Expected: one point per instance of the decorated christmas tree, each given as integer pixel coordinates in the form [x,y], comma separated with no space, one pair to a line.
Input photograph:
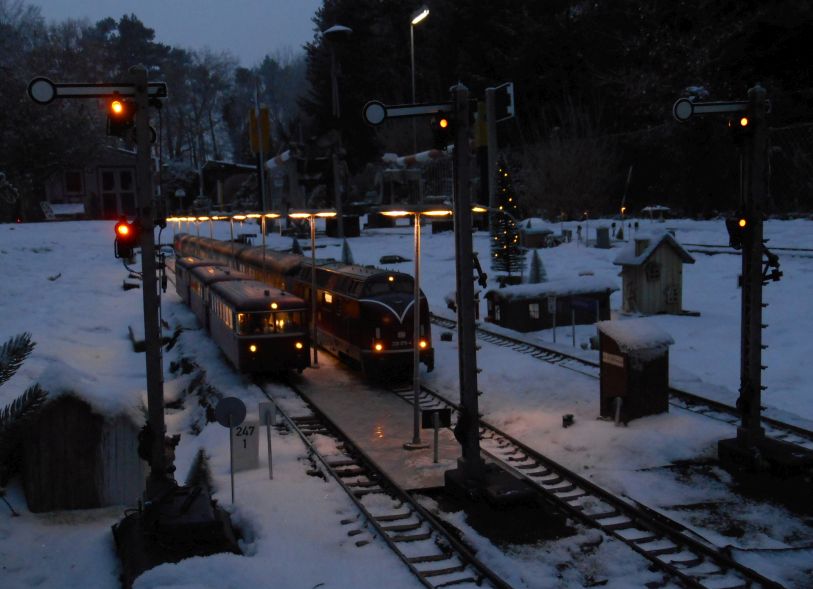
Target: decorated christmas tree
[507,256]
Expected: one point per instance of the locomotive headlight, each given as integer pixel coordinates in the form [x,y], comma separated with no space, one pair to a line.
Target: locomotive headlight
[298,345]
[423,343]
[274,305]
[378,347]
[252,348]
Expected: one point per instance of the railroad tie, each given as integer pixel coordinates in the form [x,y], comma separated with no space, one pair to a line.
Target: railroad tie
[412,538]
[446,555]
[402,527]
[662,551]
[444,571]
[391,517]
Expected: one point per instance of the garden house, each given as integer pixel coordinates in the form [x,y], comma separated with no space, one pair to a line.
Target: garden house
[652,274]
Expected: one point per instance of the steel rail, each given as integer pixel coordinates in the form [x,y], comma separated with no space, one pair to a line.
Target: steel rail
[370,479]
[661,540]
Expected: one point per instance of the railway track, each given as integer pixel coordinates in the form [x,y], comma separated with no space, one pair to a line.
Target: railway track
[774,428]
[671,547]
[435,557]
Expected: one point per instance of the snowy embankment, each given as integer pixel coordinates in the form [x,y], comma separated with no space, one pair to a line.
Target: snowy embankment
[62,284]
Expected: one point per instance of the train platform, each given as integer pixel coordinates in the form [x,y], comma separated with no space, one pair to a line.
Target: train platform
[379,422]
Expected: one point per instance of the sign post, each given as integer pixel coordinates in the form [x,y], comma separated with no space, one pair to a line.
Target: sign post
[267,414]
[230,412]
[435,419]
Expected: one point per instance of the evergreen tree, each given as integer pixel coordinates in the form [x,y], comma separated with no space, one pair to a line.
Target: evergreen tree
[537,273]
[347,255]
[296,248]
[507,255]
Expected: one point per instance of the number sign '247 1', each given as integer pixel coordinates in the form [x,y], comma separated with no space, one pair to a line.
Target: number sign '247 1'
[246,445]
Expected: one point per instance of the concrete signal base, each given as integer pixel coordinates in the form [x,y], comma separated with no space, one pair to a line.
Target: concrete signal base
[497,487]
[182,523]
[770,467]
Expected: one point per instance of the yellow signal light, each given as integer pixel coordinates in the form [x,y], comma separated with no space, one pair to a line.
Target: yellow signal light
[423,343]
[443,123]
[117,107]
[298,345]
[742,222]
[744,121]
[378,347]
[252,348]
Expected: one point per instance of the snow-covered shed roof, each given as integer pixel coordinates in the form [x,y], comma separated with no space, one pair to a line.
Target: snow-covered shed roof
[627,257]
[632,335]
[556,288]
[68,208]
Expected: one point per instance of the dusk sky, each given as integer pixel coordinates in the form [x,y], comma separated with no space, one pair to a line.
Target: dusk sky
[249,29]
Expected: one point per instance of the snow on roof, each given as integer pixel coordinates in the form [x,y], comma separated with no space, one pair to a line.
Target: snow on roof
[556,288]
[637,334]
[654,208]
[627,257]
[68,208]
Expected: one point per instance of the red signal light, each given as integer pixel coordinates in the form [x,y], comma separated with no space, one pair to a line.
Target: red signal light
[123,229]
[127,238]
[117,107]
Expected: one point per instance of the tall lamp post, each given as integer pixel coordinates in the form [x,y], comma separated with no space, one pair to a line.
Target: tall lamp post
[416,211]
[417,16]
[311,216]
[333,35]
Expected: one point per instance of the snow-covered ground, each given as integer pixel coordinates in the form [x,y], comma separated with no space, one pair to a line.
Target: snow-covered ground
[61,283]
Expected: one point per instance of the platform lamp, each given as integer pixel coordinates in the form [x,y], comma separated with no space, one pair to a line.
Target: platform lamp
[311,216]
[417,211]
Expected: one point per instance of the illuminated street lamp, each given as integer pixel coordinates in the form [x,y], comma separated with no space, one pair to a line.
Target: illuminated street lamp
[417,17]
[311,216]
[417,211]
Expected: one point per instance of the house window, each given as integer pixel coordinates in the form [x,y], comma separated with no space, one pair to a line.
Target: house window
[533,310]
[73,181]
[653,271]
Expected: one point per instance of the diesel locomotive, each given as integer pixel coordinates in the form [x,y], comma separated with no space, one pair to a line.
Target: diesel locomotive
[363,313]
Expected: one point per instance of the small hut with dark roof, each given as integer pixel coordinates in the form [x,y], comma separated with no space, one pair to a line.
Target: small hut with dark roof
[531,307]
[652,274]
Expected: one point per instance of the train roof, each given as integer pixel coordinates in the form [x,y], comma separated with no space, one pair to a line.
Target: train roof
[251,295]
[190,262]
[211,274]
[279,262]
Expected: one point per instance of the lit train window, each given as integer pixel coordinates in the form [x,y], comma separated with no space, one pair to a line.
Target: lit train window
[328,297]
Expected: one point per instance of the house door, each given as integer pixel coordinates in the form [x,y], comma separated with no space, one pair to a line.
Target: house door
[118,192]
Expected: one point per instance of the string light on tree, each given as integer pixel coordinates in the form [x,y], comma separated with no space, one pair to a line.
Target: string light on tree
[507,255]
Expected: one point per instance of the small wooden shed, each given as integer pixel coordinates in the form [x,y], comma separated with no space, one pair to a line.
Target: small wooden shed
[634,368]
[531,307]
[75,458]
[652,274]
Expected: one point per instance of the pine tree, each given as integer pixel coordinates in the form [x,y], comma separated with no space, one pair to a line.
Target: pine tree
[506,254]
[14,415]
[347,255]
[537,273]
[296,248]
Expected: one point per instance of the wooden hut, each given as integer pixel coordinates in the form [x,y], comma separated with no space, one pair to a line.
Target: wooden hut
[74,458]
[531,307]
[652,274]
